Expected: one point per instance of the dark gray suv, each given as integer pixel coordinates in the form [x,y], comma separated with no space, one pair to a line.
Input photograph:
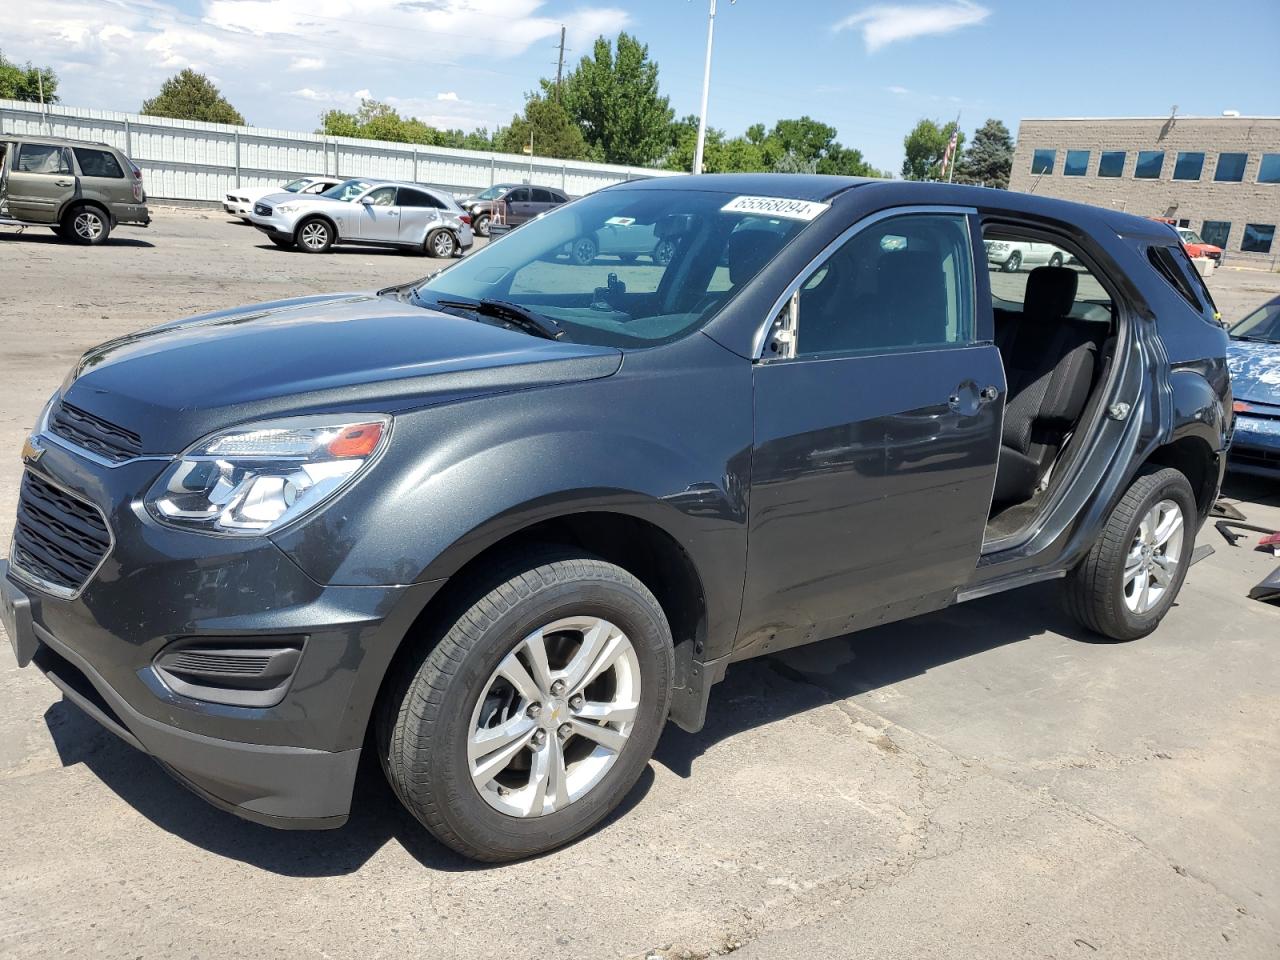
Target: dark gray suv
[503,524]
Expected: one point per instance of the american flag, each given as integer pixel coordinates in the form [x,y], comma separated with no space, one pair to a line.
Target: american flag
[949,156]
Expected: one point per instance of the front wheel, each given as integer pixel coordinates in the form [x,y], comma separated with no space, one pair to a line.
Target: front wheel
[482,225]
[583,251]
[1128,581]
[536,712]
[314,236]
[1055,260]
[663,252]
[1013,263]
[441,243]
[86,225]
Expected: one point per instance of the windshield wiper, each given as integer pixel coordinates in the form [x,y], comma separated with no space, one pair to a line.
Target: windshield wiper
[1245,336]
[513,313]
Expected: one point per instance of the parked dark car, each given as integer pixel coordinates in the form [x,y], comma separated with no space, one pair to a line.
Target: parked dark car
[510,204]
[512,519]
[1254,358]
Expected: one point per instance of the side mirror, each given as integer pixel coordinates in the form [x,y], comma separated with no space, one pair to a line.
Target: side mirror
[366,201]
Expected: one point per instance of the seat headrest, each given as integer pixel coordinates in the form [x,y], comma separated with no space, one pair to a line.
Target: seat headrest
[1050,292]
[748,251]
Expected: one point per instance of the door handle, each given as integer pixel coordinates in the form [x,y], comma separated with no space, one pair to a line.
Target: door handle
[64,183]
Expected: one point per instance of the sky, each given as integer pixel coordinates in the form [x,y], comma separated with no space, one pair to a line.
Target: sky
[871,70]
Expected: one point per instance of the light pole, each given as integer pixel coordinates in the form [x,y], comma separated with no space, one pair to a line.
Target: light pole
[706,87]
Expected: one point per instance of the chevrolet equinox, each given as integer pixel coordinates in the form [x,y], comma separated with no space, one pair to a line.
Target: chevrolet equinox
[501,524]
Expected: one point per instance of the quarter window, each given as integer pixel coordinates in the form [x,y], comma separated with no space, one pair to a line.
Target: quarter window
[98,163]
[1076,164]
[41,158]
[1258,237]
[904,283]
[1188,166]
[1042,161]
[1269,169]
[1111,163]
[1216,232]
[1230,167]
[1150,164]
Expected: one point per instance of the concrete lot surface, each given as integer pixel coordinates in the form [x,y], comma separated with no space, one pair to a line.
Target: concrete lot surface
[988,781]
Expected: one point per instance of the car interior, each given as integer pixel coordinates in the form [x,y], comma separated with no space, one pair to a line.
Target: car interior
[1055,327]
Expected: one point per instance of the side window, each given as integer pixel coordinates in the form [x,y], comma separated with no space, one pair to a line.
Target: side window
[98,163]
[382,197]
[41,158]
[542,196]
[518,195]
[1015,264]
[318,187]
[902,283]
[416,198]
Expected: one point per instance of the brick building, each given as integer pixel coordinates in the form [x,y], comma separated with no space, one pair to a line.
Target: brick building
[1220,176]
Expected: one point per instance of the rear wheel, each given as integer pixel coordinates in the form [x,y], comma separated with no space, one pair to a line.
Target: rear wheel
[86,225]
[440,243]
[1013,263]
[314,236]
[583,251]
[1128,581]
[663,252]
[535,713]
[1055,260]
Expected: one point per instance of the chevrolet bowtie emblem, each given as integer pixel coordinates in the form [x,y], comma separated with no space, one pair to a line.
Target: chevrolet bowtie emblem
[30,451]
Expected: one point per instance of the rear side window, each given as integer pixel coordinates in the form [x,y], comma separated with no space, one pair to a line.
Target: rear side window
[1012,258]
[98,163]
[1172,264]
[904,283]
[542,196]
[41,158]
[416,198]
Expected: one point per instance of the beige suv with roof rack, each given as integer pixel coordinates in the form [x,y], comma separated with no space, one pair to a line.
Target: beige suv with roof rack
[81,190]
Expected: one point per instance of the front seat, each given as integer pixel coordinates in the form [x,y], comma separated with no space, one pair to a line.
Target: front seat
[1050,361]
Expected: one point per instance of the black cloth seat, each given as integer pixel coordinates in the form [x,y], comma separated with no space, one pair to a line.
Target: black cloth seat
[1050,364]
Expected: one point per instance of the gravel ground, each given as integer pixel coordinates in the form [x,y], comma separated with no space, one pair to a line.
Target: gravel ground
[982,781]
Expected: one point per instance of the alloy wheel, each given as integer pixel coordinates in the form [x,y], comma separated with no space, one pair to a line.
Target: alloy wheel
[87,225]
[554,716]
[442,245]
[1152,562]
[315,236]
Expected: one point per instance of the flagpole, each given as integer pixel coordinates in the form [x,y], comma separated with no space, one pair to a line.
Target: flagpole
[951,170]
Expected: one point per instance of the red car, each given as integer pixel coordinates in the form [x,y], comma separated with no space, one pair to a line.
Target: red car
[1192,243]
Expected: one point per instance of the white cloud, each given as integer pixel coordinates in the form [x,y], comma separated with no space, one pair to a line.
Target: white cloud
[884,24]
[307,63]
[897,90]
[447,95]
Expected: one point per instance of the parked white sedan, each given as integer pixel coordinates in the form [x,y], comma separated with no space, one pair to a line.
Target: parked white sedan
[376,213]
[239,202]
[1012,255]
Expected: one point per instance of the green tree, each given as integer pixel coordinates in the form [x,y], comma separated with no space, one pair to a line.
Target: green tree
[925,146]
[554,132]
[613,97]
[23,82]
[989,158]
[189,95]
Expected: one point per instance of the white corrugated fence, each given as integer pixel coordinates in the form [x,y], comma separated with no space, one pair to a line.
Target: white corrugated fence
[188,160]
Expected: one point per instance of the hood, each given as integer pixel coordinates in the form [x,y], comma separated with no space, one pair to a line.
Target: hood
[175,383]
[1255,370]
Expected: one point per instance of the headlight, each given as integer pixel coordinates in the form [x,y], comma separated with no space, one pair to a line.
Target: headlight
[255,479]
[287,207]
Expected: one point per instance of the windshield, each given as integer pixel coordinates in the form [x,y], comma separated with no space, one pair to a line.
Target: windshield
[347,189]
[1190,236]
[1262,324]
[493,192]
[295,185]
[625,267]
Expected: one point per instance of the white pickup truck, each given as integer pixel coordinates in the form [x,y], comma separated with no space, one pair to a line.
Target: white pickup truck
[1012,255]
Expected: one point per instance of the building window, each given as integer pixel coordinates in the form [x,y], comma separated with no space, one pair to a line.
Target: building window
[1076,164]
[1230,167]
[1269,169]
[1042,161]
[1111,163]
[1150,164]
[1258,237]
[1189,166]
[1184,223]
[1216,232]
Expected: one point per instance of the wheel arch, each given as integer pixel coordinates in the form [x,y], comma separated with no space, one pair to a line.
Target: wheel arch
[1193,457]
[74,202]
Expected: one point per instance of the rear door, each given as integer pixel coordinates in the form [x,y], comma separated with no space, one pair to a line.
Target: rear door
[377,216]
[519,204]
[877,435]
[419,212]
[40,181]
[101,177]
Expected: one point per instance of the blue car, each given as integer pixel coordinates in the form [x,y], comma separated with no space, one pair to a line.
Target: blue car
[1254,358]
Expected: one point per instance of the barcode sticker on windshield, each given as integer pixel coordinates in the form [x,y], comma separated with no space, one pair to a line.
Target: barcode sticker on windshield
[620,221]
[775,207]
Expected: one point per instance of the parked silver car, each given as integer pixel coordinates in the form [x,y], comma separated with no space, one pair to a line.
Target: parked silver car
[377,213]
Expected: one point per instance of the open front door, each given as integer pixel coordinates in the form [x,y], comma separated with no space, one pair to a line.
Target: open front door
[876,437]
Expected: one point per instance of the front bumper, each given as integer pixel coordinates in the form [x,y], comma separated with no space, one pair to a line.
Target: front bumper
[1255,446]
[288,765]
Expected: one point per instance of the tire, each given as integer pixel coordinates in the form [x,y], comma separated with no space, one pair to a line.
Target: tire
[663,252]
[481,226]
[282,243]
[1055,260]
[440,243]
[314,235]
[1096,591]
[437,699]
[86,225]
[583,251]
[1013,263]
